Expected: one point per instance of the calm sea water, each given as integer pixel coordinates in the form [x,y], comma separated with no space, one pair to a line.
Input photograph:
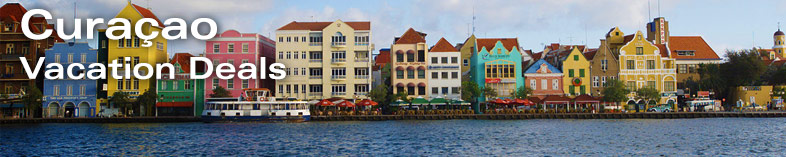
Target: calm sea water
[712,136]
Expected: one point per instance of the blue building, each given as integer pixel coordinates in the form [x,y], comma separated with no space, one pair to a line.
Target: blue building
[496,63]
[67,97]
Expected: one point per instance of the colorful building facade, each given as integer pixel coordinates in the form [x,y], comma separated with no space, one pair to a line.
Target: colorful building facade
[325,60]
[181,96]
[69,97]
[444,66]
[496,64]
[131,51]
[604,67]
[544,79]
[644,64]
[237,48]
[576,78]
[408,70]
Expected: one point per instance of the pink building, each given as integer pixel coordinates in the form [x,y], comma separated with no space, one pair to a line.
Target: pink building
[237,48]
[544,79]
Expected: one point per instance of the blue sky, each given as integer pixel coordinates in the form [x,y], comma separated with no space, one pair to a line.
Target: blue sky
[724,24]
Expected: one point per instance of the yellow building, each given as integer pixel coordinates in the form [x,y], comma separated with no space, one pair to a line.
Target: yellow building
[746,96]
[644,64]
[575,68]
[130,51]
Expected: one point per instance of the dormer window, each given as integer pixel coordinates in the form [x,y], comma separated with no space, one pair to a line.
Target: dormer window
[8,27]
[686,53]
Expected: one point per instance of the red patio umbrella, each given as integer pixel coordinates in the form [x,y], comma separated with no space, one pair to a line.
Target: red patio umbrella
[367,102]
[523,102]
[346,104]
[325,102]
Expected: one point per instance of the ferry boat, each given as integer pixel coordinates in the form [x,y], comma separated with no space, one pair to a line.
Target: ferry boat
[255,106]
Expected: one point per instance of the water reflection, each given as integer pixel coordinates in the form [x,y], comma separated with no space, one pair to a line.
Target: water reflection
[716,136]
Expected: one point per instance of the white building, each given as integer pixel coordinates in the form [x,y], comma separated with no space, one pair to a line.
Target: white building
[444,66]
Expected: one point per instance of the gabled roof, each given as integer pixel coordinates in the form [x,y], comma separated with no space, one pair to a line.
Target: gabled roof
[318,26]
[663,49]
[184,59]
[701,49]
[590,54]
[13,12]
[537,56]
[147,14]
[778,63]
[628,38]
[534,68]
[488,43]
[557,46]
[411,37]
[381,59]
[443,46]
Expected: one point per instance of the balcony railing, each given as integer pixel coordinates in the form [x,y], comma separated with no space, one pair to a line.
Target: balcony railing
[338,93]
[315,77]
[361,93]
[338,44]
[315,94]
[338,77]
[338,60]
[361,43]
[361,76]
[315,44]
[361,59]
[315,60]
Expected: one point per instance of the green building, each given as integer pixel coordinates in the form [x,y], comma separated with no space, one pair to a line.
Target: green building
[181,96]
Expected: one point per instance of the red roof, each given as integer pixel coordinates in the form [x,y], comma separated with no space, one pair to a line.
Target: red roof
[586,98]
[443,46]
[590,54]
[184,59]
[488,43]
[628,38]
[555,99]
[537,56]
[13,12]
[318,26]
[147,14]
[411,37]
[701,49]
[664,51]
[382,59]
[778,63]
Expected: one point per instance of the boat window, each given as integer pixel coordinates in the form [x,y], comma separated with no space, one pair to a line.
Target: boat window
[288,114]
[237,114]
[225,107]
[272,113]
[300,113]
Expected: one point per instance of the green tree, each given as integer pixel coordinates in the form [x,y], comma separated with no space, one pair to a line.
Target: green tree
[220,92]
[743,67]
[777,76]
[121,100]
[489,92]
[615,91]
[647,94]
[470,91]
[32,100]
[148,100]
[401,95]
[522,93]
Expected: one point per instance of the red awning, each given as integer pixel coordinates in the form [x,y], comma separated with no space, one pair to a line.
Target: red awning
[421,84]
[324,102]
[410,84]
[399,84]
[410,68]
[421,68]
[410,52]
[399,52]
[400,68]
[346,104]
[175,104]
[367,102]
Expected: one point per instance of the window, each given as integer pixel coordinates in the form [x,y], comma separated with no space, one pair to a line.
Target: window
[444,60]
[289,39]
[280,39]
[295,87]
[244,84]
[399,57]
[289,87]
[421,90]
[603,81]
[533,84]
[296,39]
[297,55]
[630,64]
[121,43]
[119,84]
[444,90]
[303,39]
[651,84]
[289,55]
[163,85]
[128,84]
[230,48]
[421,56]
[57,58]
[245,48]
[682,68]
[315,88]
[572,89]
[82,90]
[136,84]
[500,71]
[55,90]
[581,72]
[399,74]
[69,91]
[159,45]
[693,68]
[83,58]
[339,89]
[280,55]
[136,41]
[604,65]
[280,88]
[445,75]
[339,72]
[650,64]
[339,56]
[129,42]
[315,39]
[434,75]
[434,60]
[187,84]
[303,55]
[361,40]
[215,83]
[435,90]
[686,53]
[231,84]
[411,74]
[70,58]
[316,55]
[9,69]
[639,51]
[175,85]
[466,62]
[316,72]
[576,57]
[595,81]
[410,57]
[339,39]
[454,75]
[136,60]
[570,73]
[422,74]
[25,48]
[453,60]
[668,86]
[631,85]
[554,84]
[455,90]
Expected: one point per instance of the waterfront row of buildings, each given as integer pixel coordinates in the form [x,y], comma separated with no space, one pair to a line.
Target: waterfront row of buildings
[335,60]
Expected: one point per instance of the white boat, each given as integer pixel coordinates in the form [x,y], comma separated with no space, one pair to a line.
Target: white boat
[256,106]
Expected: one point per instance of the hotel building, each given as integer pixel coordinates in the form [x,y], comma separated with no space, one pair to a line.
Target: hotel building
[324,60]
[409,64]
[70,97]
[444,67]
[237,48]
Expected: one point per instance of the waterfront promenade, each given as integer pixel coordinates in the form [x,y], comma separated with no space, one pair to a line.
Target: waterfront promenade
[669,115]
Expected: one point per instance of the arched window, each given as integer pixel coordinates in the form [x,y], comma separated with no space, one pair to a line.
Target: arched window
[339,39]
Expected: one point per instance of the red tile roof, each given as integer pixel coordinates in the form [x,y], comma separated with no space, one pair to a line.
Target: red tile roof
[557,46]
[778,63]
[488,43]
[411,37]
[382,59]
[537,56]
[701,49]
[590,54]
[628,38]
[147,14]
[184,59]
[443,46]
[318,26]
[664,51]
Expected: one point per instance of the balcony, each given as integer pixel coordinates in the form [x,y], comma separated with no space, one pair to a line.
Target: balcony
[338,93]
[361,59]
[361,76]
[361,93]
[315,94]
[11,57]
[315,60]
[315,44]
[315,77]
[339,44]
[338,60]
[361,44]
[338,77]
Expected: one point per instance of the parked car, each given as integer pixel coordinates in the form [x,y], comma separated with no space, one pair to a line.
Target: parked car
[660,108]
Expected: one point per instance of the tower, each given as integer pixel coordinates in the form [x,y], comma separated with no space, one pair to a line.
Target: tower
[658,31]
[779,46]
